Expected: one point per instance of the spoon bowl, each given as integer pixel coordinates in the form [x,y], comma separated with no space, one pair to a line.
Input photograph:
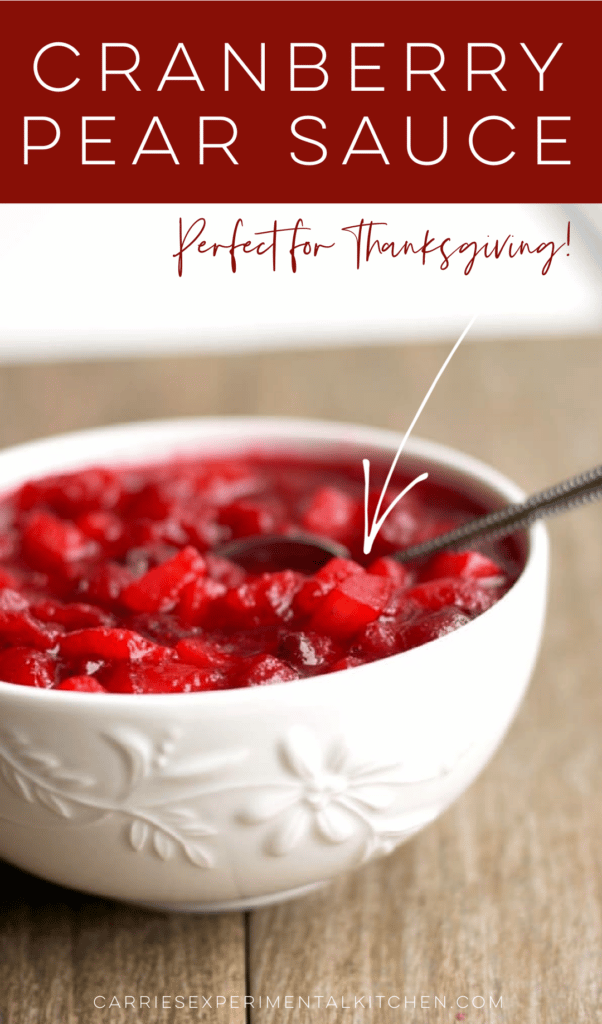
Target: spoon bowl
[308,553]
[271,552]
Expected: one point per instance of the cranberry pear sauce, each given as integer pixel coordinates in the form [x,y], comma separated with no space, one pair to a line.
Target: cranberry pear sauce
[108,582]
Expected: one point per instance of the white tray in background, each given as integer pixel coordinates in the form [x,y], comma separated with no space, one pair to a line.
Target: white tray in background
[95,280]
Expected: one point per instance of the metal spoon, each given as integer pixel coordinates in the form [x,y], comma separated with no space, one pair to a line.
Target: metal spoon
[308,553]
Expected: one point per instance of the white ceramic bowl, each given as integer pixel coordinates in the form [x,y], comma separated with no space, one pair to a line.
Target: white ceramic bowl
[234,799]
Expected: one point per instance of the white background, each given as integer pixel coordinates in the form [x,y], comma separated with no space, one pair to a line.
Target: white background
[102,280]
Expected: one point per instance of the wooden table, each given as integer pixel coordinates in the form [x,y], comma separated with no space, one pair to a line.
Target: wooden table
[499,899]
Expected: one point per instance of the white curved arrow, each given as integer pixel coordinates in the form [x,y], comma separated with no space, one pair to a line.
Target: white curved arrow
[371,532]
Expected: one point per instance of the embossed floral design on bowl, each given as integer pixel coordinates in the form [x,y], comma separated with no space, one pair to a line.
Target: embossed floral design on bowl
[232,799]
[336,790]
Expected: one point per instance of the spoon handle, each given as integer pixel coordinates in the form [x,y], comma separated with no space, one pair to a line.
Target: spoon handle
[569,494]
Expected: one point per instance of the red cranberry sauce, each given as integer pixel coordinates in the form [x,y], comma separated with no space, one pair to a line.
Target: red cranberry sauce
[108,581]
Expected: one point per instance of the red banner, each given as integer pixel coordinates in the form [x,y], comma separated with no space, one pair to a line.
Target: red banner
[304,100]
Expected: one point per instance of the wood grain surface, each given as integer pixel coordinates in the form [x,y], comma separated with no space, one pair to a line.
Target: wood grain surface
[501,899]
